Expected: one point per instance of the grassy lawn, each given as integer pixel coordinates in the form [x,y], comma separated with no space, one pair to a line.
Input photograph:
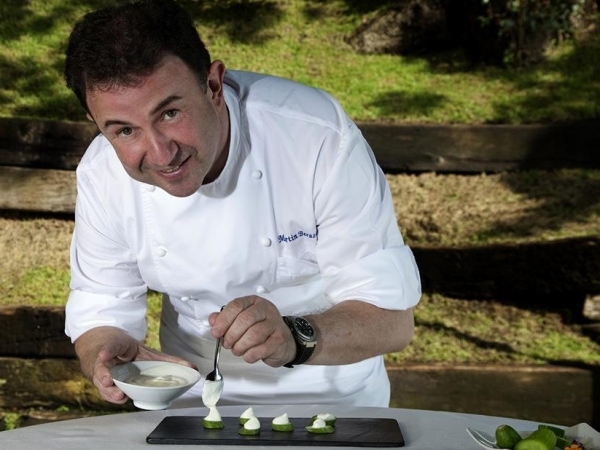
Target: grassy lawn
[304,40]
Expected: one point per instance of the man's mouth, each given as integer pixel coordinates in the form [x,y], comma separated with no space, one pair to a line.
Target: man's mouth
[174,169]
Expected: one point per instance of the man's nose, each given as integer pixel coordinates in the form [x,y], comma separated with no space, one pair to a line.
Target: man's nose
[161,147]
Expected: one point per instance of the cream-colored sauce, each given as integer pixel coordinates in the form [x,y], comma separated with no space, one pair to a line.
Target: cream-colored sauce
[213,415]
[248,413]
[211,393]
[326,416]
[319,423]
[281,420]
[252,424]
[156,380]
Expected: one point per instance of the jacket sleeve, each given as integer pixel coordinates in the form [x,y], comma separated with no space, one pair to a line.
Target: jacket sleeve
[360,249]
[106,286]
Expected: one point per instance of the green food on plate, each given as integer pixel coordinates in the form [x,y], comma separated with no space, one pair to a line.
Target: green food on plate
[507,437]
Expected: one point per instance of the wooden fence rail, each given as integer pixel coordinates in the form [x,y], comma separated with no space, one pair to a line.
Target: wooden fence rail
[398,148]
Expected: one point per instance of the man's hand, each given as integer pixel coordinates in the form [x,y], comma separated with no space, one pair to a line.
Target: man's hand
[102,348]
[252,327]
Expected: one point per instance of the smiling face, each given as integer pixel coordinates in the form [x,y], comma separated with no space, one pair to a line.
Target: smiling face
[166,130]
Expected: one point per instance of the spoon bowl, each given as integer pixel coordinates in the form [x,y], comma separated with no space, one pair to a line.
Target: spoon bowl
[215,375]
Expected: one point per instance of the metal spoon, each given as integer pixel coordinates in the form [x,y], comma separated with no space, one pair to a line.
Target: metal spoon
[213,384]
[215,375]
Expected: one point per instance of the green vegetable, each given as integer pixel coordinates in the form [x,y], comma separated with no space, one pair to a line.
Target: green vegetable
[212,424]
[507,437]
[246,432]
[562,442]
[321,430]
[558,432]
[330,421]
[282,427]
[540,439]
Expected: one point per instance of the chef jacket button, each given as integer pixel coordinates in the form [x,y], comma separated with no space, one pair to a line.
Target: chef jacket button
[261,290]
[265,242]
[150,188]
[257,174]
[161,252]
[185,298]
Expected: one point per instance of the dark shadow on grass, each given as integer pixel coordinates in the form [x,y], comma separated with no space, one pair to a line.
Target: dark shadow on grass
[504,348]
[28,76]
[483,344]
[350,6]
[17,19]
[409,103]
[243,21]
[566,196]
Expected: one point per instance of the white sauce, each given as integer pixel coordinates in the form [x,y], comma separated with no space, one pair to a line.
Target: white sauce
[213,415]
[319,423]
[211,393]
[252,424]
[281,420]
[326,416]
[248,413]
[156,381]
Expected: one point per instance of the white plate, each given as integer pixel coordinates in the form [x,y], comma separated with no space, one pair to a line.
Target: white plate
[581,431]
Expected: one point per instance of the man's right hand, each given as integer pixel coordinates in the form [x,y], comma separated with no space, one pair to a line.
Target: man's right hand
[102,348]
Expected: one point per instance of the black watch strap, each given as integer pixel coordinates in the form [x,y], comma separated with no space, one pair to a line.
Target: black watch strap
[304,335]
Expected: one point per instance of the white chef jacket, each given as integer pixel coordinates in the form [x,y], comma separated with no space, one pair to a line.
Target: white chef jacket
[301,215]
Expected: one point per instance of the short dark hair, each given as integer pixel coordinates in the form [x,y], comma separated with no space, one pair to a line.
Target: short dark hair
[117,45]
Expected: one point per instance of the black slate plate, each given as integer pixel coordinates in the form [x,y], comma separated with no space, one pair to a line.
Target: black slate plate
[188,430]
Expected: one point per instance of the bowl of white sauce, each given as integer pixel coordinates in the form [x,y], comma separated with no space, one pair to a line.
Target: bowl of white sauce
[154,385]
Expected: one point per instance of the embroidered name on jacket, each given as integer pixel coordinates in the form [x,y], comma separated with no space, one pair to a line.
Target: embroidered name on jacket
[299,234]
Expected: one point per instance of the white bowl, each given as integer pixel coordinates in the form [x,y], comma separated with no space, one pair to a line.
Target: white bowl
[154,384]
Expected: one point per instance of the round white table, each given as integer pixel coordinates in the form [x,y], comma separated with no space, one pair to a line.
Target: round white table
[421,429]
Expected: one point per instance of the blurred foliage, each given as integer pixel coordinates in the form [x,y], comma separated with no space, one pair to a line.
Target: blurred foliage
[522,29]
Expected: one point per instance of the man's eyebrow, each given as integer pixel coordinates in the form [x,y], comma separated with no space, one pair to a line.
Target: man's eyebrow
[157,108]
[165,102]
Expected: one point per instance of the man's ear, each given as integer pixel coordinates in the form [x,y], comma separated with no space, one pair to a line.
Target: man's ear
[216,73]
[89,117]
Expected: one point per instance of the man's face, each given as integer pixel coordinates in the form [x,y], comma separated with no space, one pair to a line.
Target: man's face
[167,131]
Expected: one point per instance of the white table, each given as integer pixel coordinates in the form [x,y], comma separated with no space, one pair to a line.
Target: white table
[421,429]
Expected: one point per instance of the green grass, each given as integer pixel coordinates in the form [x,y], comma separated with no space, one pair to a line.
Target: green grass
[44,286]
[473,331]
[304,40]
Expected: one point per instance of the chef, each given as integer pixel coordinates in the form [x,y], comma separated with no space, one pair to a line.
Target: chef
[226,188]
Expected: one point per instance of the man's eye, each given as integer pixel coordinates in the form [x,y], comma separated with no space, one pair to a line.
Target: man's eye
[125,131]
[171,114]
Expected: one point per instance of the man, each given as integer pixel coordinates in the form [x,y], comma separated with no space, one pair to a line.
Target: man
[227,188]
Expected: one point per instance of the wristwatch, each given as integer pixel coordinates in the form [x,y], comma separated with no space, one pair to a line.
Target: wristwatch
[305,337]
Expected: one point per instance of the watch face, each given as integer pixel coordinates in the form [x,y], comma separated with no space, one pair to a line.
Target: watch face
[304,328]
